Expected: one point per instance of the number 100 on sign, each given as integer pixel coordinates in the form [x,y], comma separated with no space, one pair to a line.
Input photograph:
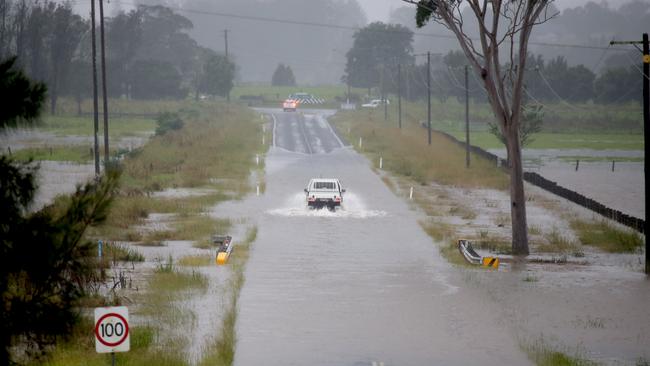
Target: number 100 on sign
[112,329]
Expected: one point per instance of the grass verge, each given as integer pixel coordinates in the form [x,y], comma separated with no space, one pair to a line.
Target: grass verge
[222,351]
[605,236]
[406,153]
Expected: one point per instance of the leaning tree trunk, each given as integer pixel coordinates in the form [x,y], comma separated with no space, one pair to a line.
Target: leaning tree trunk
[517,197]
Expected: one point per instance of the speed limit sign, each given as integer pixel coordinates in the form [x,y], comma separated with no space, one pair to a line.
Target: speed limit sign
[112,329]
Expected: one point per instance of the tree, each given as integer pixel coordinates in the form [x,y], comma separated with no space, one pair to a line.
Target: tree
[123,39]
[67,30]
[283,76]
[39,26]
[218,76]
[618,85]
[506,24]
[532,117]
[168,121]
[45,262]
[78,84]
[377,46]
[22,99]
[153,79]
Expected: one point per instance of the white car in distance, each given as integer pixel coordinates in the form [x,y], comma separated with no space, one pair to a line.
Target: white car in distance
[322,192]
[375,103]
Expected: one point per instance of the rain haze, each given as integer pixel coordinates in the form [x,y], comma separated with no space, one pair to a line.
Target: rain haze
[290,182]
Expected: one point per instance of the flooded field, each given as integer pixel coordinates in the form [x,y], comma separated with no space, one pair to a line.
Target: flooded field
[621,189]
[58,177]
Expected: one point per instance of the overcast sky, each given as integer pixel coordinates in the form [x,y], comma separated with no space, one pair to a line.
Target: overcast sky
[378,10]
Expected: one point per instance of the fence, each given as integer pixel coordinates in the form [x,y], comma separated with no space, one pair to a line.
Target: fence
[575,197]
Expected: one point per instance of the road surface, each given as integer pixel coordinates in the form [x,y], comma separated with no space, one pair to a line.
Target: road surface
[360,286]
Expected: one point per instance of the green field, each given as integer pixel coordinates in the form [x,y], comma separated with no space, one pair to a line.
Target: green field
[616,129]
[545,140]
[83,126]
[76,154]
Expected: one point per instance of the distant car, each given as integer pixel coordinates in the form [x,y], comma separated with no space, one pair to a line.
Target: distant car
[375,103]
[324,193]
[289,105]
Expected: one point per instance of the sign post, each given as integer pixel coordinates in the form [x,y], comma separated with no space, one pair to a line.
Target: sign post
[112,330]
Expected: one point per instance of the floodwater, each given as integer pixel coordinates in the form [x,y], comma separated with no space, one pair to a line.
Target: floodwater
[359,285]
[621,189]
[56,177]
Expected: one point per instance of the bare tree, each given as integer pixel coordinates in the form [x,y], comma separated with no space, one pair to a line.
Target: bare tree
[502,25]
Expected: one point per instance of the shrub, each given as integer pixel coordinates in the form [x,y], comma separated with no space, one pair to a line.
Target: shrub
[168,122]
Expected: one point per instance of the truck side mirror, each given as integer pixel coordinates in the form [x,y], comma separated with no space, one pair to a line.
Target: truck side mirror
[306,191]
[343,190]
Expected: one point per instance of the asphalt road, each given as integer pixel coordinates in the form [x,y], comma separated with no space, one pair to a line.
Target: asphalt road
[360,286]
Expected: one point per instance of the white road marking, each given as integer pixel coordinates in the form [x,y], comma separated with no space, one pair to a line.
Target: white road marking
[275,122]
[332,131]
[304,135]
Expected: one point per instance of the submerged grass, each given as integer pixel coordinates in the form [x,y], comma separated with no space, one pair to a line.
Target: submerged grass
[214,150]
[222,351]
[542,354]
[606,236]
[117,252]
[555,242]
[444,235]
[196,260]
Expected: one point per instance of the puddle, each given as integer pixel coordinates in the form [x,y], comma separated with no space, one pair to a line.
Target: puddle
[183,192]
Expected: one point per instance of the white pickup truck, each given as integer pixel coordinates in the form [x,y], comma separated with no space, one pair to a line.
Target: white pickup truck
[322,192]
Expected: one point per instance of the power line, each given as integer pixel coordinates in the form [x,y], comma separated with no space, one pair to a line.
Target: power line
[347,27]
[558,95]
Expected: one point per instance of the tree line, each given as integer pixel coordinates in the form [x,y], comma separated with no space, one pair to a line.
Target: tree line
[149,53]
[378,48]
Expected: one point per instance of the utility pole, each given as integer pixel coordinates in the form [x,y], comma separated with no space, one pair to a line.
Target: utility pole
[466,120]
[408,88]
[104,94]
[399,95]
[429,95]
[383,93]
[95,106]
[348,99]
[225,37]
[646,127]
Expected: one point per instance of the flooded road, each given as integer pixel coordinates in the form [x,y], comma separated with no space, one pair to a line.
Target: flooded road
[357,286]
